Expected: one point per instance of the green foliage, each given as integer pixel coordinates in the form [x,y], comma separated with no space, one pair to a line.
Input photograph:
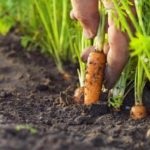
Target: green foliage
[45,24]
[139,46]
[5,25]
[6,22]
[18,10]
[20,14]
[58,31]
[78,43]
[119,92]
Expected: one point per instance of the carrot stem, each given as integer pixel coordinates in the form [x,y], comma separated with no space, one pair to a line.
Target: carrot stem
[100,37]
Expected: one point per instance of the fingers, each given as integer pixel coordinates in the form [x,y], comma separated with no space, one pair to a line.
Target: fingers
[118,53]
[86,12]
[86,52]
[117,56]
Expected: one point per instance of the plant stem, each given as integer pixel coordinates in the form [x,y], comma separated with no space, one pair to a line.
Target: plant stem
[138,6]
[122,19]
[100,37]
[131,15]
[139,82]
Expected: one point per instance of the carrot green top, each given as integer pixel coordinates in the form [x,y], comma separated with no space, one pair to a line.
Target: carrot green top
[108,4]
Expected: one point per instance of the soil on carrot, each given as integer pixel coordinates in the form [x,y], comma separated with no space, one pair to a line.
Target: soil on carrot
[37,110]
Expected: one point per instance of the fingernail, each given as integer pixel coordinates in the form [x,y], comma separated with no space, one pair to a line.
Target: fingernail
[86,52]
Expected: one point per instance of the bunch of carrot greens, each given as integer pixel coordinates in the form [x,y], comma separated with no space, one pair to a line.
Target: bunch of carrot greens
[139,47]
[56,31]
[61,37]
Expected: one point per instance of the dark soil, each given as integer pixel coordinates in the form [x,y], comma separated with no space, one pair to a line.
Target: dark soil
[37,111]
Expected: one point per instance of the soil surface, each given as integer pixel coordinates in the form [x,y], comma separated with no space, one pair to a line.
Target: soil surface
[37,111]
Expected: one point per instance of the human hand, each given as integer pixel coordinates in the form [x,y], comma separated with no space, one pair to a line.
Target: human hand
[86,12]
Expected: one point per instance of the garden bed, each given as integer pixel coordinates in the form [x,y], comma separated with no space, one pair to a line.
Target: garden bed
[37,111]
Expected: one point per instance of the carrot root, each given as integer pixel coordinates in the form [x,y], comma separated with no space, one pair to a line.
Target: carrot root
[138,112]
[94,77]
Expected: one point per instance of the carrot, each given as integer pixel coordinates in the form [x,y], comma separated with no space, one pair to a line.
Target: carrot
[94,77]
[79,95]
[138,111]
[96,64]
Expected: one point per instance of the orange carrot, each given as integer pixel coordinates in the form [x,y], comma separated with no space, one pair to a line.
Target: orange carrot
[94,77]
[138,111]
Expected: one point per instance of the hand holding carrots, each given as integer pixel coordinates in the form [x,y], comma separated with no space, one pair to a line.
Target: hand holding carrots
[86,12]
